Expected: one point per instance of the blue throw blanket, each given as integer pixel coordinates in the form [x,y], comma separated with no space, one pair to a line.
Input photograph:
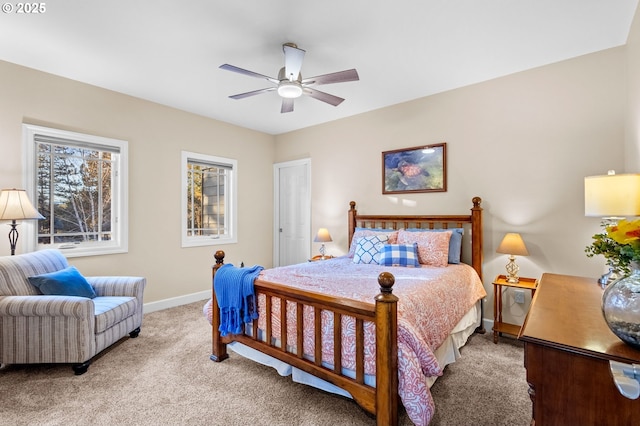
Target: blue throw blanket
[235,296]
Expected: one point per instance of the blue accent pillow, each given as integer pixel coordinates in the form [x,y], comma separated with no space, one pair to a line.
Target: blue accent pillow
[455,242]
[66,282]
[399,255]
[368,249]
[392,234]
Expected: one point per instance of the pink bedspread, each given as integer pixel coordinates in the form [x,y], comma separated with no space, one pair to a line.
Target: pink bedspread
[432,301]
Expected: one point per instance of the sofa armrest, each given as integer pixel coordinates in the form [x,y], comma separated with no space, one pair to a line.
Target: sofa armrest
[46,329]
[47,306]
[119,286]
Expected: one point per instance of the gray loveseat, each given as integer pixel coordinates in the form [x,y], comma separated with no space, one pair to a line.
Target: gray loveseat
[39,329]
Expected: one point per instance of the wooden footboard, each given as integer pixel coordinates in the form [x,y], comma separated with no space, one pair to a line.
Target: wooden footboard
[381,401]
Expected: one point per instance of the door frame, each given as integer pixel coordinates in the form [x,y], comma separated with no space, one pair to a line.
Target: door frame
[276,203]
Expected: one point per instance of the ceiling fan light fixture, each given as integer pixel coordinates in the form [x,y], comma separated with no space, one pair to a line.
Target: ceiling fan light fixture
[289,89]
[290,85]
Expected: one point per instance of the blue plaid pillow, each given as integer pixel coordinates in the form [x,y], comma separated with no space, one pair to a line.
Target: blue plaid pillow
[368,249]
[399,255]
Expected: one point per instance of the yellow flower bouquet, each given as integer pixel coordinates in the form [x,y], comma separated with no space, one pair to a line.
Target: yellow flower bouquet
[619,244]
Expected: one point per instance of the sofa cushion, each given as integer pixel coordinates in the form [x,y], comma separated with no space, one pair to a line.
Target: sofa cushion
[110,310]
[15,270]
[66,282]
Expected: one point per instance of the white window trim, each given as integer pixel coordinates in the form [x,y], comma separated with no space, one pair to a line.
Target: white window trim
[119,204]
[199,241]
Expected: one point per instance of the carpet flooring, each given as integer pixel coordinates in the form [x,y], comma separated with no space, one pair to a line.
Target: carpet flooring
[165,377]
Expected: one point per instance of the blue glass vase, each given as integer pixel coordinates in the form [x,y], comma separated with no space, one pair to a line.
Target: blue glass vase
[621,308]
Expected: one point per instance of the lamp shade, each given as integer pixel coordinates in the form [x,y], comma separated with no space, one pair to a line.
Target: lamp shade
[15,205]
[612,195]
[512,244]
[322,236]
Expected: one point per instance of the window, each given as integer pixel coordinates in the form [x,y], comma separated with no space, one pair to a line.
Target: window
[79,183]
[208,200]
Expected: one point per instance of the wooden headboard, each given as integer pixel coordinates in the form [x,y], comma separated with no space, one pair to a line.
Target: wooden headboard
[473,220]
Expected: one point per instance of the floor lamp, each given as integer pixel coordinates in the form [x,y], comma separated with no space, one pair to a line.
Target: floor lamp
[15,205]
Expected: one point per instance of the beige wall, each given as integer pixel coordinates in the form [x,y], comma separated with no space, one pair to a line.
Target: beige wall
[523,143]
[632,146]
[156,135]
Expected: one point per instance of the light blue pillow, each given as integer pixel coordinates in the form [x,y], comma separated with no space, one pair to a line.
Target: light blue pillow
[455,242]
[399,255]
[66,282]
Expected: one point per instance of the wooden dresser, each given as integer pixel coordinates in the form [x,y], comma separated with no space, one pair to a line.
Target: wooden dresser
[567,348]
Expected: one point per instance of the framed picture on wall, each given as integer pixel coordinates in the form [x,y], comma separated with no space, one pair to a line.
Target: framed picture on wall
[417,169]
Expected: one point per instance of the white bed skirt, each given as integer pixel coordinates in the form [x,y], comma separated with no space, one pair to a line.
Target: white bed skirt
[447,353]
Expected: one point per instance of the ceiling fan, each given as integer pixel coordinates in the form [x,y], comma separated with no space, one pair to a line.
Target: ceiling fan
[291,85]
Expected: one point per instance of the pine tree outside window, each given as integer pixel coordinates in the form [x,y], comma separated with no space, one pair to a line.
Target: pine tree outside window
[79,185]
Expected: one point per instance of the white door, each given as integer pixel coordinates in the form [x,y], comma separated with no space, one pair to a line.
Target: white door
[292,239]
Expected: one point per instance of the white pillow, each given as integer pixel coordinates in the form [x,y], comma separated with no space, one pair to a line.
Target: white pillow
[367,232]
[368,249]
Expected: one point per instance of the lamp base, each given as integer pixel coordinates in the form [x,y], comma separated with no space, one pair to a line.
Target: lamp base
[322,252]
[513,279]
[13,237]
[512,270]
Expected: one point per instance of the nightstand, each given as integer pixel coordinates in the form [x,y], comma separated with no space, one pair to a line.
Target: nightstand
[500,327]
[319,257]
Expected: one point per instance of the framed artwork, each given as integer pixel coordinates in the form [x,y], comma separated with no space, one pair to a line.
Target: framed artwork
[417,169]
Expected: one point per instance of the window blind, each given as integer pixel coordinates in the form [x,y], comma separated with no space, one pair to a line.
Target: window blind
[52,140]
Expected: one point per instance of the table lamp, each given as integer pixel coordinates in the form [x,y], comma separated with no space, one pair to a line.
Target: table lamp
[512,245]
[612,197]
[15,205]
[322,237]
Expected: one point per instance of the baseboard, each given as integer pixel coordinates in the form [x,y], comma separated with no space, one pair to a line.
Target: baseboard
[176,301]
[488,324]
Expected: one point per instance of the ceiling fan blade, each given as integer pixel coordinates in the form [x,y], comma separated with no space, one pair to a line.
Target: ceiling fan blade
[322,96]
[252,93]
[287,105]
[292,61]
[334,77]
[247,72]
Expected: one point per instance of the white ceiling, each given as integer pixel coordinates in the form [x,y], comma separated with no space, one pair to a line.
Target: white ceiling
[169,51]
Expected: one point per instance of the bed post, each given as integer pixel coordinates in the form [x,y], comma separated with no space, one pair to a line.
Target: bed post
[219,349]
[477,250]
[386,352]
[476,235]
[352,220]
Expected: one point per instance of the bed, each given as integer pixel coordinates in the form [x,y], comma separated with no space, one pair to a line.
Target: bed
[371,332]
